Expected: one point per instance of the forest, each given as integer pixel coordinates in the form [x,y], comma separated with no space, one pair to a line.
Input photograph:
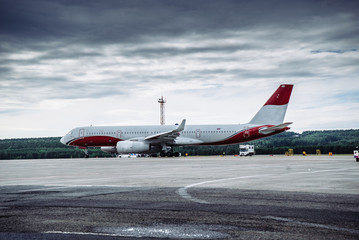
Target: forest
[335,141]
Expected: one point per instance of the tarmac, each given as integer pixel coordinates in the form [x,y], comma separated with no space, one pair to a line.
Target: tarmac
[214,197]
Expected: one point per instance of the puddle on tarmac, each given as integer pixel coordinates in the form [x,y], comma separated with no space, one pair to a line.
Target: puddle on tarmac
[169,231]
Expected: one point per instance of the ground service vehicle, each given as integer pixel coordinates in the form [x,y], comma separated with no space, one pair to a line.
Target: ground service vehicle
[246,150]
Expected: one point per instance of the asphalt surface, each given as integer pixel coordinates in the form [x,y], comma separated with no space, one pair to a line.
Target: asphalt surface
[260,197]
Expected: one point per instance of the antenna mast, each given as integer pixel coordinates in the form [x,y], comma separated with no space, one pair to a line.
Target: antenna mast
[162,102]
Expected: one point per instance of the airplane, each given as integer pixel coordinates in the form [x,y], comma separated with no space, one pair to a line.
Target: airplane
[162,138]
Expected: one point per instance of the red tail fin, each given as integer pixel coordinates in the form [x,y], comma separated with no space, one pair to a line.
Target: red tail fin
[281,96]
[273,111]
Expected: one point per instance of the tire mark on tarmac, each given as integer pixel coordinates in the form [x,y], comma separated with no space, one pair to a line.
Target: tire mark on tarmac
[183,192]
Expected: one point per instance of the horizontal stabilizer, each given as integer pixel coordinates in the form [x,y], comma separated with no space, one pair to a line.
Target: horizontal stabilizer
[270,130]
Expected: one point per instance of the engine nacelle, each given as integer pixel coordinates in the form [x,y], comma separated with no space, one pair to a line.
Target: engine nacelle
[132,147]
[109,149]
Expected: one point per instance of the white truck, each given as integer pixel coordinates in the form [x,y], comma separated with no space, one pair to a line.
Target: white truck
[246,150]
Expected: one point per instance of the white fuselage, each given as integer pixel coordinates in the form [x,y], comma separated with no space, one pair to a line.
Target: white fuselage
[191,135]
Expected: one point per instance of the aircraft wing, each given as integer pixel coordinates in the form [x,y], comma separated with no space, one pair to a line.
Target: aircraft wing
[270,130]
[167,136]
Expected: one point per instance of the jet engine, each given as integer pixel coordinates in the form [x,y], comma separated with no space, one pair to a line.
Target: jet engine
[109,149]
[132,147]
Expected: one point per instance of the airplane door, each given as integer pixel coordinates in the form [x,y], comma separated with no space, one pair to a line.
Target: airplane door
[82,132]
[119,133]
[198,133]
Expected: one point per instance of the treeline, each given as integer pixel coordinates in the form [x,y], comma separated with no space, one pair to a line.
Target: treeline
[335,141]
[34,148]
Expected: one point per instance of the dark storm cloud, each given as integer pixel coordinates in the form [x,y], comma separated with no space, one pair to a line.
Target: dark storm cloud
[74,30]
[175,51]
[4,70]
[64,89]
[101,22]
[247,74]
[22,62]
[340,51]
[42,25]
[70,54]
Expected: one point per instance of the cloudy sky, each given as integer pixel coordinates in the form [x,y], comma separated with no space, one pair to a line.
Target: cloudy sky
[72,63]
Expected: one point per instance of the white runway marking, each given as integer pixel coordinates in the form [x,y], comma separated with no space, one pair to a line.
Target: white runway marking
[184,193]
[317,225]
[167,231]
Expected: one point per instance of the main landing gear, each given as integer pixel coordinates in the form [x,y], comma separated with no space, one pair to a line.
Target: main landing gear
[169,154]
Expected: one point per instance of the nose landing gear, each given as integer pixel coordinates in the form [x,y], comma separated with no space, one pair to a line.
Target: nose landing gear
[86,152]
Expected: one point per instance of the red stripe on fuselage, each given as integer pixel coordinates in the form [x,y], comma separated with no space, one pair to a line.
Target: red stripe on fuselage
[246,136]
[243,136]
[95,141]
